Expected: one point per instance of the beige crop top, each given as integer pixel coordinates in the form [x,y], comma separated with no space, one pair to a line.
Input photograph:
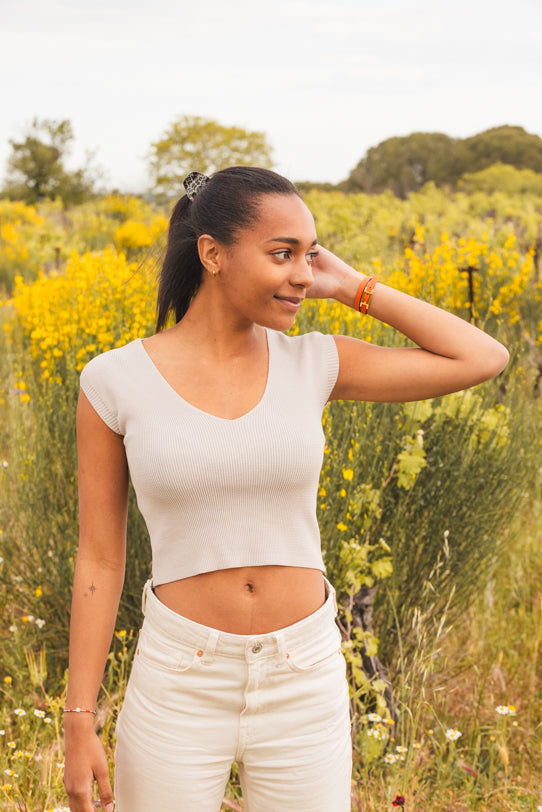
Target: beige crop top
[218,493]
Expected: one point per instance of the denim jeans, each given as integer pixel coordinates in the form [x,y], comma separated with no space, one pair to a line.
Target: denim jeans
[199,699]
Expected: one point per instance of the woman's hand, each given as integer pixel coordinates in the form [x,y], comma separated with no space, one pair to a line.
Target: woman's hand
[333,278]
[85,763]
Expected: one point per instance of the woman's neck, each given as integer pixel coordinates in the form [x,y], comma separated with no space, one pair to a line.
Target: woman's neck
[213,330]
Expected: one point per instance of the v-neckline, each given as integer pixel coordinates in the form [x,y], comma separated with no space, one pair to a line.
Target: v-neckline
[187,403]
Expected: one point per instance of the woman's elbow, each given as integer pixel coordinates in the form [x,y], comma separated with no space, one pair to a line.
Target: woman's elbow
[493,360]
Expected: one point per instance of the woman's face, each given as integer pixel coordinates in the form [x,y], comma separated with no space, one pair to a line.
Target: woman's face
[265,275]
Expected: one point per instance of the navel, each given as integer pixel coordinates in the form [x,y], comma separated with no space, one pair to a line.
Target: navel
[249,588]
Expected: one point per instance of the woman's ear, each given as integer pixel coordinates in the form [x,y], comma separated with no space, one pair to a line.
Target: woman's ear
[209,253]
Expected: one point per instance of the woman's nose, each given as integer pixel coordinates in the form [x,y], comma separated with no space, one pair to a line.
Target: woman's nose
[302,273]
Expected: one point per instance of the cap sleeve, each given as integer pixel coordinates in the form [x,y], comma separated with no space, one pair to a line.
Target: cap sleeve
[98,383]
[332,355]
[325,363]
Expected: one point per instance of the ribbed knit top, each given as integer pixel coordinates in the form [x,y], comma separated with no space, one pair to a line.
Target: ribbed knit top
[218,493]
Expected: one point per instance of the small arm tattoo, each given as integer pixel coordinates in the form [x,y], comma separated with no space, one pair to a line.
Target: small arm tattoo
[91,589]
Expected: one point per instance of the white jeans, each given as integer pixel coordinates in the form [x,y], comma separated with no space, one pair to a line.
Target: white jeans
[199,699]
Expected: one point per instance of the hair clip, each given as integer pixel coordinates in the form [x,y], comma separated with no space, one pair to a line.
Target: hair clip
[193,183]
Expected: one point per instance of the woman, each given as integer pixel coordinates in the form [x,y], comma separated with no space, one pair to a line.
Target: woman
[218,421]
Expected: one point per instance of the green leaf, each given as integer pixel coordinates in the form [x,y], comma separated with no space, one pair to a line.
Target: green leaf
[409,464]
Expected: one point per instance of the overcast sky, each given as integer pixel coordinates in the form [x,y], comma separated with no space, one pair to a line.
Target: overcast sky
[324,79]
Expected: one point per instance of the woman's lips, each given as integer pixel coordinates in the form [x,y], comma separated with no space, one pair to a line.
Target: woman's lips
[290,303]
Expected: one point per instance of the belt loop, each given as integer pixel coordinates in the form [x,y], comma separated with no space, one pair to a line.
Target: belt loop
[148,585]
[281,646]
[331,592]
[210,646]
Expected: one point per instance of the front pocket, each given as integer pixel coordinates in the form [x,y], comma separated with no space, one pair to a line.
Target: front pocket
[165,655]
[297,664]
[318,656]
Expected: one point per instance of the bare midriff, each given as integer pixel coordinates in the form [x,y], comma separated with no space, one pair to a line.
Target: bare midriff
[246,600]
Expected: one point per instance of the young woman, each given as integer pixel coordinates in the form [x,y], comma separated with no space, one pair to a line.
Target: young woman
[217,420]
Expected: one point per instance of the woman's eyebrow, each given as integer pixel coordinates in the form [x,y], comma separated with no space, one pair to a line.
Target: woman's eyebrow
[291,240]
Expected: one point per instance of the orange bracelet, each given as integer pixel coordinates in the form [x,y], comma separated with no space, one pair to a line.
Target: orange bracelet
[367,293]
[79,710]
[359,292]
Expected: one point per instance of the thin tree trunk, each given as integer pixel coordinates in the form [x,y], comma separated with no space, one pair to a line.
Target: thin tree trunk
[362,616]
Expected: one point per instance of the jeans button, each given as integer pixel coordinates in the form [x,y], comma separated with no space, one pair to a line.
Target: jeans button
[256,648]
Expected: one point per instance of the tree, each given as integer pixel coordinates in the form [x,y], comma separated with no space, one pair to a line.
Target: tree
[404,164]
[195,143]
[507,145]
[35,168]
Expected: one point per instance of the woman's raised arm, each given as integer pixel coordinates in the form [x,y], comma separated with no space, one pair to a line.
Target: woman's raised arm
[451,354]
[99,576]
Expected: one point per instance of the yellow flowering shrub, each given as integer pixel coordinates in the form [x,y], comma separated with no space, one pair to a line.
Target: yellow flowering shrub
[134,235]
[100,301]
[17,213]
[25,241]
[127,222]
[500,276]
[124,207]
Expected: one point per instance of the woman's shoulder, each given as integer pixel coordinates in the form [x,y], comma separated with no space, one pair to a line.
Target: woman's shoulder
[312,360]
[112,368]
[115,357]
[312,342]
[108,381]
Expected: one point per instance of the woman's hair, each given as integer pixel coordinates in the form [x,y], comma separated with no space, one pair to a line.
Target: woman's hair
[223,206]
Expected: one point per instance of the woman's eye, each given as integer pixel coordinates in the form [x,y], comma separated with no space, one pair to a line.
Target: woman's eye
[312,256]
[282,254]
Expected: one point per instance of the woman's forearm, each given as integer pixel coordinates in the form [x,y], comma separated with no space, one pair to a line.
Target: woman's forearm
[99,570]
[433,329]
[436,330]
[450,355]
[96,594]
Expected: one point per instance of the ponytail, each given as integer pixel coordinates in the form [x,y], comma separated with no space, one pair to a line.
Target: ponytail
[180,277]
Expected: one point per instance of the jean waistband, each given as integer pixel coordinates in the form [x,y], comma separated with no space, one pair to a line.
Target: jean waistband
[317,626]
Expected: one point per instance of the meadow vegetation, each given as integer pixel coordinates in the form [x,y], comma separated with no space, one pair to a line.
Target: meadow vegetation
[430,512]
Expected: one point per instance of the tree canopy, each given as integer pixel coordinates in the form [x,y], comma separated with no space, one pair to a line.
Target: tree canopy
[35,168]
[404,164]
[195,143]
[506,145]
